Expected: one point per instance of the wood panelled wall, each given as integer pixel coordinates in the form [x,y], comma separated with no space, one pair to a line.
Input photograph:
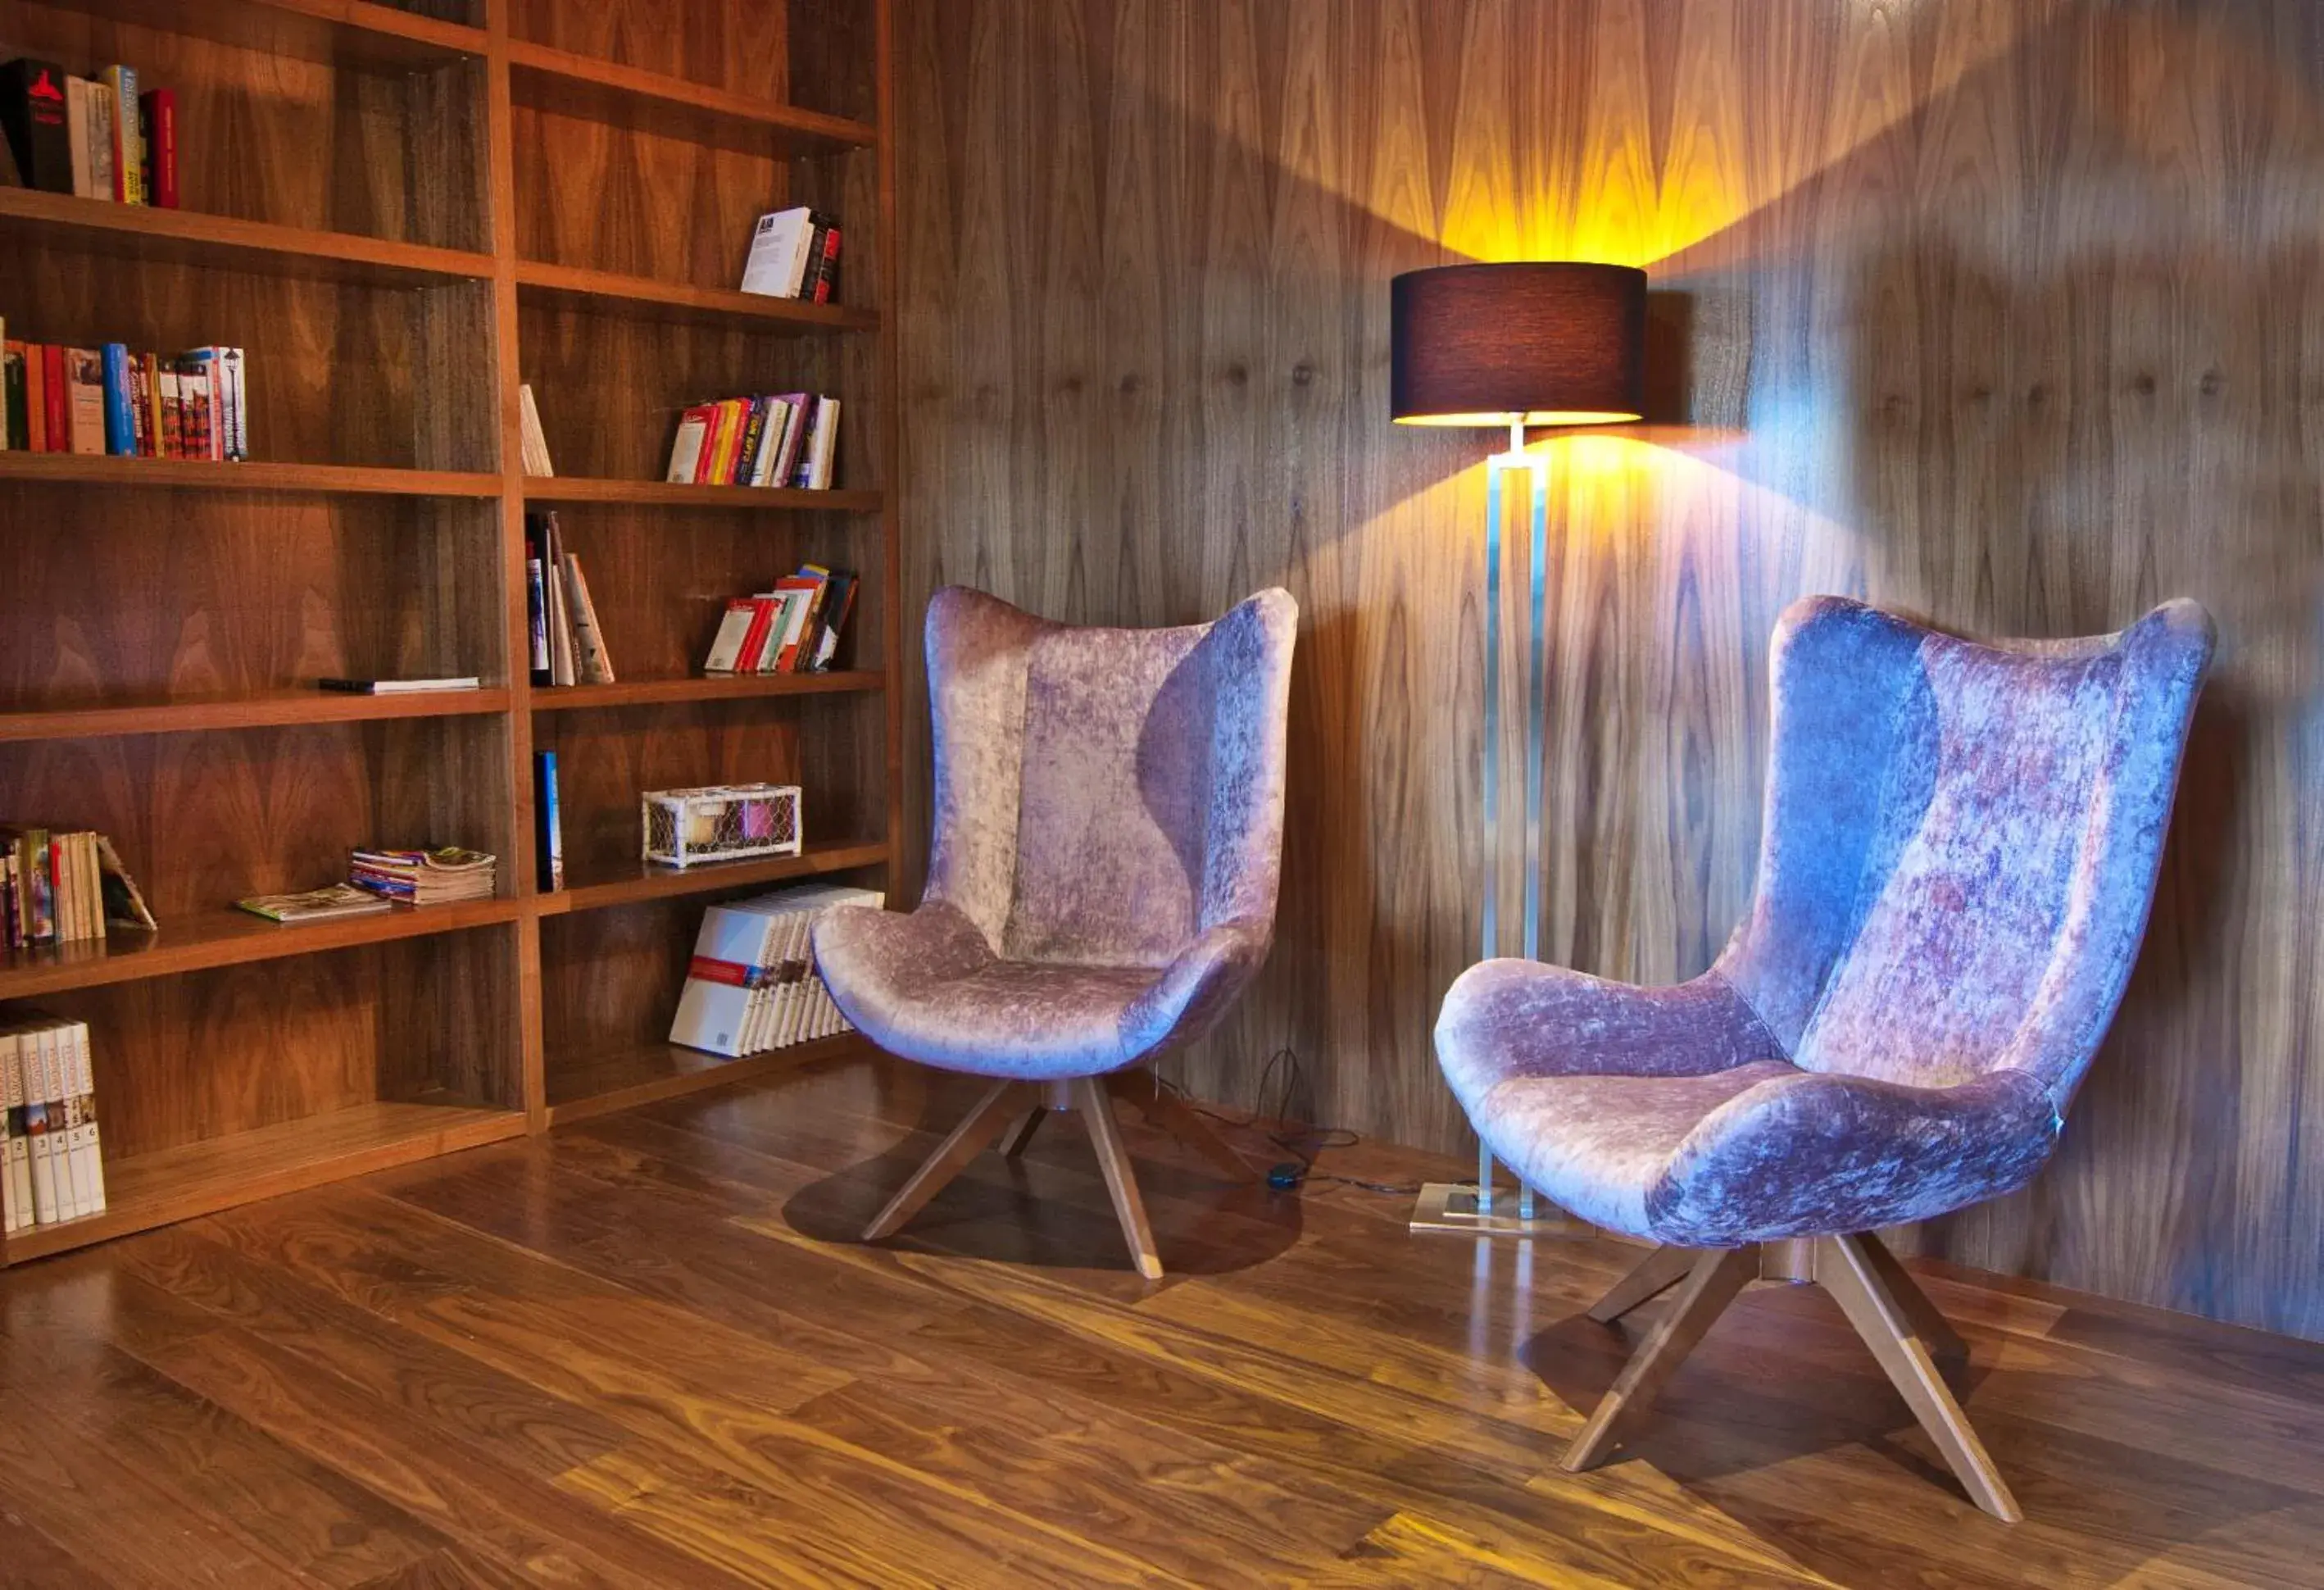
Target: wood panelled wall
[2007,312]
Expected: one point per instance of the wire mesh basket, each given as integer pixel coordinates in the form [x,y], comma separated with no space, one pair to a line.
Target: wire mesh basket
[719,822]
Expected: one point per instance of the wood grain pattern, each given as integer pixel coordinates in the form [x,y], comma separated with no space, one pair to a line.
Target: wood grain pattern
[374,209]
[2004,314]
[649,1351]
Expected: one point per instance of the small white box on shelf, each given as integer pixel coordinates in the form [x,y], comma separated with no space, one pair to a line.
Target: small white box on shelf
[720,822]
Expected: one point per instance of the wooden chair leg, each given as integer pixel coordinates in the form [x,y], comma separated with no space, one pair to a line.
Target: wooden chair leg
[1655,1274]
[1936,1332]
[1095,1103]
[1173,1115]
[1019,1140]
[971,1138]
[1713,1283]
[1854,1277]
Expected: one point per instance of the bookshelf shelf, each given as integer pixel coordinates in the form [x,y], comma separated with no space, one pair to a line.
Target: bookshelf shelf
[266,710]
[606,291]
[179,474]
[638,881]
[648,1073]
[350,32]
[642,692]
[658,493]
[188,237]
[563,204]
[565,84]
[215,1173]
[223,938]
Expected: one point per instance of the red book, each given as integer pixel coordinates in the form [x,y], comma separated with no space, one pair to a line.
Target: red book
[827,272]
[36,396]
[57,393]
[754,642]
[158,120]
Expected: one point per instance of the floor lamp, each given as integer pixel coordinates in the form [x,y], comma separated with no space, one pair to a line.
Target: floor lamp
[1538,343]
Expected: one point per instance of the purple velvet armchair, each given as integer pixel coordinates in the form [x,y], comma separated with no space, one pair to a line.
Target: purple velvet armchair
[1108,833]
[1959,850]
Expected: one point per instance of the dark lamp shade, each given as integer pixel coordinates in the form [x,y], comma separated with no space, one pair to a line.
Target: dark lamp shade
[1549,343]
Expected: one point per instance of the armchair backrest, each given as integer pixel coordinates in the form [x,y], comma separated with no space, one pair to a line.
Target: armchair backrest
[1961,840]
[1103,795]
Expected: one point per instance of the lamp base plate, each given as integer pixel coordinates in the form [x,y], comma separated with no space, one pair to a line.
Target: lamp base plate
[1452,1205]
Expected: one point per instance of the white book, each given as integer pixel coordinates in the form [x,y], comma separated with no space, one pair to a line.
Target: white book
[796,604]
[591,663]
[825,445]
[685,450]
[533,444]
[77,137]
[33,1079]
[87,1145]
[101,138]
[726,646]
[796,924]
[64,1117]
[770,445]
[237,407]
[773,934]
[16,1194]
[777,259]
[711,1008]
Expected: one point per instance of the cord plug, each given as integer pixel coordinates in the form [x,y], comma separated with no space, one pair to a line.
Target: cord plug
[1287,1175]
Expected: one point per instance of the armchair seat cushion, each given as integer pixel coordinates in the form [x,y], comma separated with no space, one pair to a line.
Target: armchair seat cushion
[927,987]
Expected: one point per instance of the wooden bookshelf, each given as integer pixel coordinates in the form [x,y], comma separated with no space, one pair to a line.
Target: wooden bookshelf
[555,191]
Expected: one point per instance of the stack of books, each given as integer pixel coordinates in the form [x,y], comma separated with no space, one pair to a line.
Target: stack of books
[753,985]
[794,253]
[435,876]
[132,405]
[98,138]
[568,646]
[58,887]
[54,1160]
[795,628]
[789,439]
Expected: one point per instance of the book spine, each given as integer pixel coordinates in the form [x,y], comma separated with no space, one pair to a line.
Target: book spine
[141,409]
[12,409]
[128,148]
[173,414]
[827,270]
[101,112]
[81,1106]
[754,440]
[158,130]
[32,112]
[550,820]
[39,1150]
[120,427]
[15,1201]
[237,440]
[594,665]
[536,598]
[54,394]
[77,136]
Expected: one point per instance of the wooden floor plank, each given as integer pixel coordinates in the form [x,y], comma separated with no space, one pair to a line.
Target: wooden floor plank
[646,1350]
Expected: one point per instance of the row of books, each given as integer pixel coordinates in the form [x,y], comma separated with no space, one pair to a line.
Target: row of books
[58,888]
[98,138]
[794,253]
[55,1159]
[131,405]
[568,644]
[783,440]
[795,628]
[753,985]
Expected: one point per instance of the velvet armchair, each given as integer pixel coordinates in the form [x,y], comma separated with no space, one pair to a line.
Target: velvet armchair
[1957,855]
[1108,835]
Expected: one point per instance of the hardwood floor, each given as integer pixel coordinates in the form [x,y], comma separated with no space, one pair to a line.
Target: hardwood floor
[646,1350]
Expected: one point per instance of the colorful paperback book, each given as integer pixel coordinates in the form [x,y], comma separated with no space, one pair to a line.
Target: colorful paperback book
[120,426]
[128,145]
[549,842]
[315,905]
[16,1153]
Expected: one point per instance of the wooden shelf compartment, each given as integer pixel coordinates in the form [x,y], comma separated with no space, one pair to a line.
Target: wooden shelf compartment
[661,494]
[225,937]
[639,881]
[652,692]
[190,238]
[612,292]
[179,474]
[646,1073]
[562,83]
[267,709]
[347,32]
[193,1178]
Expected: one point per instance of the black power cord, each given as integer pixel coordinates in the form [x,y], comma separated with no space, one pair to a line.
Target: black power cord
[1301,1146]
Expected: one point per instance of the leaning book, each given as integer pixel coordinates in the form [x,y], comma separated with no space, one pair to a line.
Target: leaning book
[315,905]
